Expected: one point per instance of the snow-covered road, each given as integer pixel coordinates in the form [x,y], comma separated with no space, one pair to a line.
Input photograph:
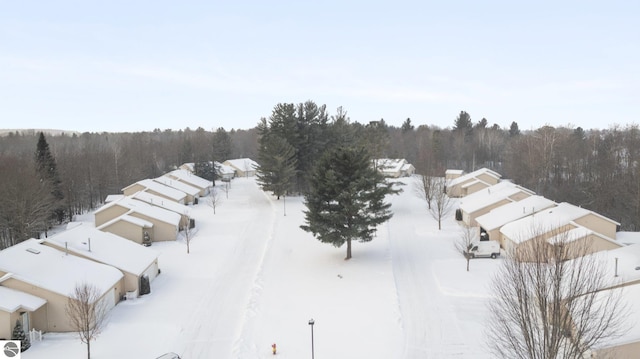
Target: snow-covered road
[254,278]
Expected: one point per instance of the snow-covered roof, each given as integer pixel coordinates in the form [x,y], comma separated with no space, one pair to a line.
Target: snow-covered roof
[628,238]
[54,270]
[190,178]
[454,172]
[128,218]
[113,197]
[473,175]
[575,234]
[630,299]
[474,182]
[190,166]
[146,209]
[510,212]
[390,164]
[180,186]
[162,202]
[243,164]
[105,247]
[223,169]
[547,220]
[160,188]
[491,195]
[628,268]
[12,300]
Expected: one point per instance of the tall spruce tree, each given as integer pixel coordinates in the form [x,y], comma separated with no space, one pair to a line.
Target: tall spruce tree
[346,200]
[47,171]
[277,169]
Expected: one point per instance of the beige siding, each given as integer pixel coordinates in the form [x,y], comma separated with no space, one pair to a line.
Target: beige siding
[56,317]
[598,224]
[6,322]
[594,244]
[128,230]
[485,177]
[470,218]
[134,188]
[519,196]
[107,214]
[456,191]
[623,351]
[162,231]
[478,186]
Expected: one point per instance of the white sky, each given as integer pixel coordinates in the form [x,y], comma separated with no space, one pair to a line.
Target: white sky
[140,65]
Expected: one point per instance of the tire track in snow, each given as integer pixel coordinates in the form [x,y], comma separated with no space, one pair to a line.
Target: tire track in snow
[215,325]
[428,319]
[241,348]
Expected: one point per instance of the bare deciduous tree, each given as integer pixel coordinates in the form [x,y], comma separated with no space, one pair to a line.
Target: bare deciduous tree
[189,232]
[87,313]
[547,301]
[425,188]
[441,203]
[214,199]
[464,243]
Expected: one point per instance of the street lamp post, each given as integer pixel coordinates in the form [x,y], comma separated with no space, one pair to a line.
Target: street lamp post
[311,323]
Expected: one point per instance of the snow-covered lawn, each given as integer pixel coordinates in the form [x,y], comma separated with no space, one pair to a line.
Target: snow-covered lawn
[254,278]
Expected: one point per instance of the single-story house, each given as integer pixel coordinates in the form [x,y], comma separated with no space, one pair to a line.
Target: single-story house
[192,192]
[152,199]
[191,179]
[166,224]
[574,224]
[626,346]
[53,275]
[16,305]
[243,167]
[394,168]
[225,173]
[490,223]
[134,261]
[452,174]
[486,199]
[129,227]
[190,167]
[156,188]
[621,272]
[469,183]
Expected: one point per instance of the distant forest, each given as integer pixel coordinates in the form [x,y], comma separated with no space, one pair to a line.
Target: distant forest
[595,169]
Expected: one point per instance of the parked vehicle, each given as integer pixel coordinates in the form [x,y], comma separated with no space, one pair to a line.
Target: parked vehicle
[485,249]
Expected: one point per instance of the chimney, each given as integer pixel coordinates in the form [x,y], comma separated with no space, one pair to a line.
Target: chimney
[89,244]
[616,273]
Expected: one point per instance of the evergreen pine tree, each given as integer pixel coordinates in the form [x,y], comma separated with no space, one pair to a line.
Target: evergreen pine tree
[47,171]
[277,164]
[346,200]
[19,334]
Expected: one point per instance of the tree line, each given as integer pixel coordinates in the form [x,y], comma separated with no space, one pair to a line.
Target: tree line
[48,179]
[594,168]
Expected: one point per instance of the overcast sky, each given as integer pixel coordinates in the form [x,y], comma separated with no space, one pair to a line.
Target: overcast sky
[139,65]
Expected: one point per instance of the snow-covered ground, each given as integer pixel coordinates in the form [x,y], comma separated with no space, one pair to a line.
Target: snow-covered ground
[254,278]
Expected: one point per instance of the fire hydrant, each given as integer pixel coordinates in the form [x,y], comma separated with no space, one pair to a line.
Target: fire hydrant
[273,347]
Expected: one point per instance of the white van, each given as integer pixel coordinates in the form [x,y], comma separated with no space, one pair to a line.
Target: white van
[485,249]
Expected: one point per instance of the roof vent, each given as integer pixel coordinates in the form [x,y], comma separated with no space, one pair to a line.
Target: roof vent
[33,250]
